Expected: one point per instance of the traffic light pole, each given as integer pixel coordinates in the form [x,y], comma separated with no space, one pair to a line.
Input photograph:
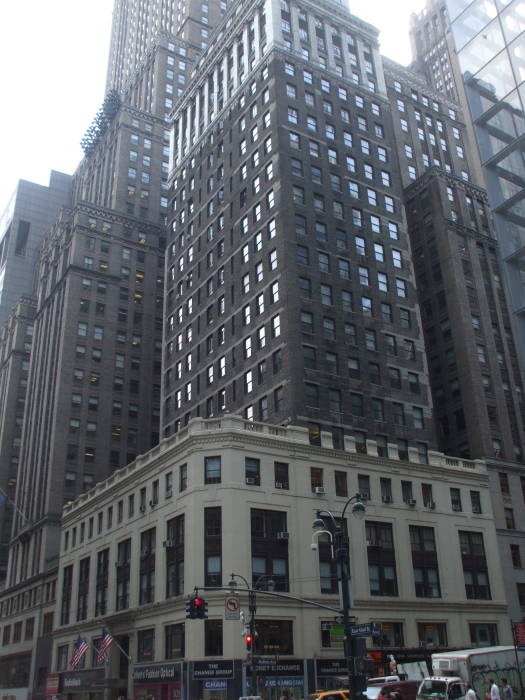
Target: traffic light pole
[252,605]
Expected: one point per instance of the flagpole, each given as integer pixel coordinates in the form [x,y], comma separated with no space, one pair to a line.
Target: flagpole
[15,506]
[128,657]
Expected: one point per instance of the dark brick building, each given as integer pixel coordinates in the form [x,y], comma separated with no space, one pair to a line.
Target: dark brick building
[474,368]
[290,293]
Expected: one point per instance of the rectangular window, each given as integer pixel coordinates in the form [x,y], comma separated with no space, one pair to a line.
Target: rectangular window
[174,547]
[475,569]
[381,559]
[281,475]
[212,470]
[147,566]
[174,641]
[252,469]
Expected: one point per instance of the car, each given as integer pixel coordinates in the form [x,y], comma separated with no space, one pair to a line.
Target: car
[330,695]
[405,690]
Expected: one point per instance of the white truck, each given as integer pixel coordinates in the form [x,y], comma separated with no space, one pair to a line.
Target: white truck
[452,671]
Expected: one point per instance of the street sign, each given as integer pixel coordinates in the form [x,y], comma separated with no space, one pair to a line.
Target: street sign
[368,629]
[337,636]
[232,610]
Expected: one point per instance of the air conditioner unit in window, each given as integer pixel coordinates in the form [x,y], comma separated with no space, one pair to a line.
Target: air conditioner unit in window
[476,509]
[372,543]
[431,505]
[142,508]
[251,480]
[387,499]
[456,507]
[279,485]
[319,490]
[168,544]
[169,492]
[411,502]
[364,496]
[153,502]
[283,535]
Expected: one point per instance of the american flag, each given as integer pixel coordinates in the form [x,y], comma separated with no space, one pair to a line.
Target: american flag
[81,646]
[103,646]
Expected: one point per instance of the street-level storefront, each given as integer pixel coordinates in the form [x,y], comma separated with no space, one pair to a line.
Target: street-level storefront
[161,681]
[216,680]
[277,678]
[83,685]
[330,673]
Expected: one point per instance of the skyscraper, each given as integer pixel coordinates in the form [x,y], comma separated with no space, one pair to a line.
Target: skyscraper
[483,47]
[473,360]
[290,293]
[25,219]
[93,383]
[24,222]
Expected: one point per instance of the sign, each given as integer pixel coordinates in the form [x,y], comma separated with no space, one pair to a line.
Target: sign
[269,682]
[212,669]
[81,681]
[369,629]
[232,610]
[157,673]
[519,636]
[271,667]
[337,636]
[331,667]
[215,685]
[52,683]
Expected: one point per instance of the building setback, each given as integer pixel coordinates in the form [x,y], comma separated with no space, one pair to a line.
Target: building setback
[231,495]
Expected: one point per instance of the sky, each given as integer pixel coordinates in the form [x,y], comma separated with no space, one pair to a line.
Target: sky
[53,57]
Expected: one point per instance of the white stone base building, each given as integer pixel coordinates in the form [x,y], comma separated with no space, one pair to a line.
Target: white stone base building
[231,496]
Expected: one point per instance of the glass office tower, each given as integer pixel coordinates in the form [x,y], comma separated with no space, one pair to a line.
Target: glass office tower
[490,42]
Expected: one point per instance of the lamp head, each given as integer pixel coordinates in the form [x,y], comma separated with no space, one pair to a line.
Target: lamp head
[232,585]
[270,586]
[359,509]
[318,524]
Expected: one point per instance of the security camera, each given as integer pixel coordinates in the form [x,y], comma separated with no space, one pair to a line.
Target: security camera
[314,546]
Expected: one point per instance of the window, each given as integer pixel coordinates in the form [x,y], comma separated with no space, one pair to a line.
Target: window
[475,570]
[212,470]
[281,475]
[252,468]
[455,499]
[341,485]
[146,645]
[515,556]
[381,559]
[424,562]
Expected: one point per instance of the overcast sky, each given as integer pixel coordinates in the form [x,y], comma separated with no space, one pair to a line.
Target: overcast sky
[53,57]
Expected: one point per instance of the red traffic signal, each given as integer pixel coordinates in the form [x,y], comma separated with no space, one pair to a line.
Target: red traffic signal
[249,642]
[196,608]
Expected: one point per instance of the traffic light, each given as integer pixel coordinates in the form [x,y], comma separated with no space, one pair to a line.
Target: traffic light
[249,642]
[201,608]
[196,608]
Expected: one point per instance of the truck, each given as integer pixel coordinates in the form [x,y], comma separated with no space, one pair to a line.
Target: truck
[453,670]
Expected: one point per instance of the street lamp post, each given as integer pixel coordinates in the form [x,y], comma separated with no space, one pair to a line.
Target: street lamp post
[326,523]
[252,607]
